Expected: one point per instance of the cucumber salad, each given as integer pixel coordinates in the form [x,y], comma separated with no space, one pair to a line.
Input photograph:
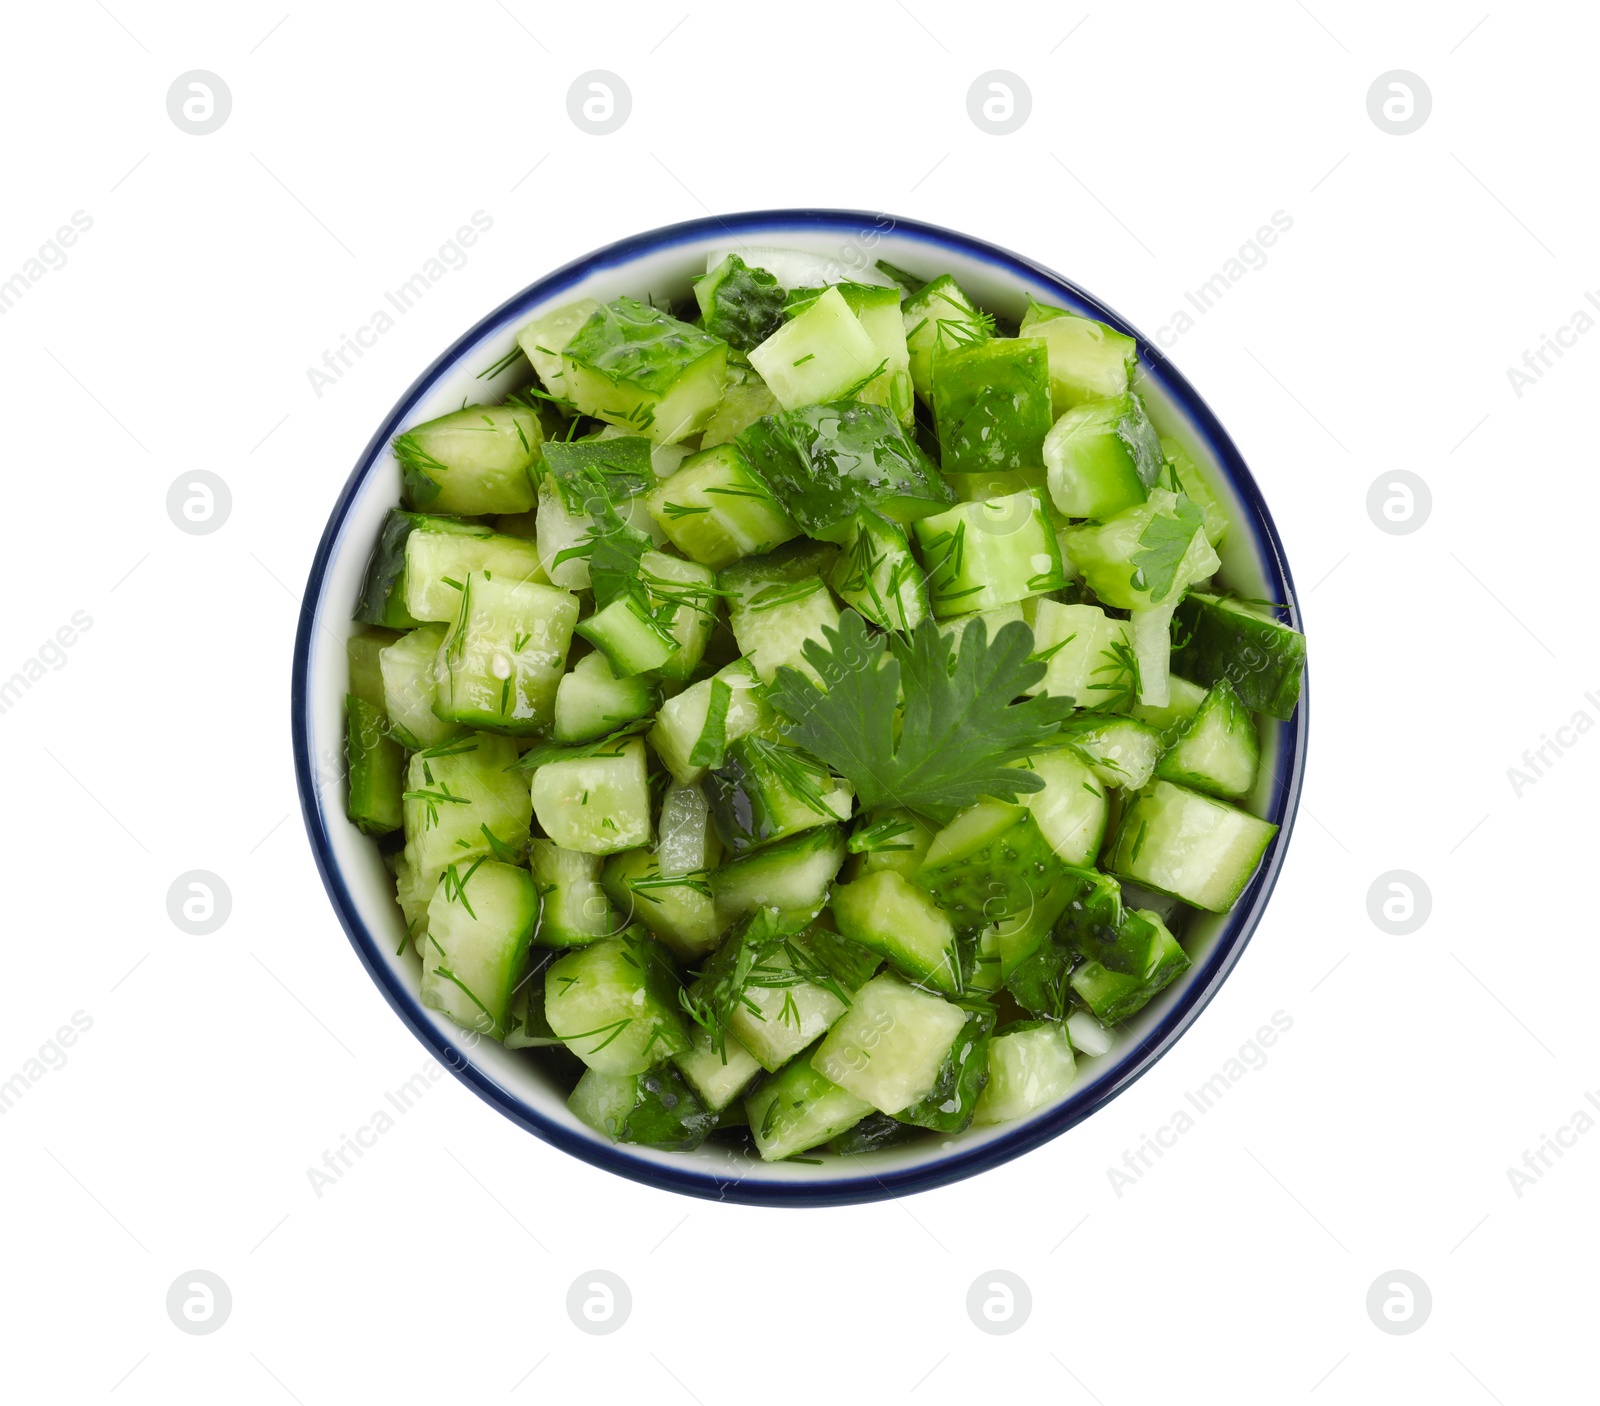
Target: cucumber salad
[806,714]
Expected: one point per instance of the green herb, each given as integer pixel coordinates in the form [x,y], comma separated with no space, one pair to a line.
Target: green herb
[960,727]
[1164,543]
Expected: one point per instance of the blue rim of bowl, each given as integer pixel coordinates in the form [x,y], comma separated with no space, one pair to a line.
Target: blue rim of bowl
[1133,1062]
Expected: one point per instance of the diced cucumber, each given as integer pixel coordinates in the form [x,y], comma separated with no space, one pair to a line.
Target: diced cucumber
[366,674]
[693,729]
[780,1012]
[949,1105]
[1226,639]
[1185,477]
[413,895]
[376,764]
[873,1133]
[677,908]
[778,602]
[798,1109]
[383,587]
[573,908]
[1071,810]
[1121,752]
[1191,846]
[1030,1067]
[438,564]
[718,1076]
[1088,656]
[894,839]
[618,462]
[827,462]
[716,509]
[938,317]
[764,791]
[1089,1037]
[1145,555]
[792,876]
[478,459]
[1152,649]
[615,1004]
[633,640]
[546,337]
[885,912]
[1170,720]
[989,862]
[686,843]
[954,626]
[591,701]
[980,556]
[1088,360]
[598,804]
[501,662]
[888,1048]
[1103,456]
[526,1027]
[634,365]
[480,921]
[654,1109]
[740,304]
[745,400]
[1015,939]
[681,595]
[823,354]
[991,403]
[877,308]
[1150,964]
[1219,751]
[876,575]
[562,537]
[461,801]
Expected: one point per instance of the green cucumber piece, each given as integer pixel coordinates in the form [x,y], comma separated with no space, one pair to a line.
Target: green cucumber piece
[1219,750]
[526,1026]
[989,862]
[799,1109]
[984,555]
[745,400]
[1102,456]
[383,587]
[615,1004]
[630,636]
[591,701]
[636,366]
[1030,1067]
[1184,476]
[573,908]
[715,509]
[792,876]
[878,310]
[765,791]
[718,1076]
[682,599]
[438,564]
[1143,556]
[1227,639]
[1088,360]
[780,1012]
[823,354]
[873,1133]
[1071,810]
[693,729]
[889,1047]
[740,304]
[654,1109]
[948,1107]
[886,913]
[598,804]
[1088,656]
[677,908]
[480,921]
[366,673]
[779,601]
[1122,752]
[461,801]
[619,463]
[892,839]
[1195,848]
[499,666]
[876,575]
[991,405]
[938,317]
[546,337]
[376,765]
[478,459]
[1171,718]
[1125,967]
[410,689]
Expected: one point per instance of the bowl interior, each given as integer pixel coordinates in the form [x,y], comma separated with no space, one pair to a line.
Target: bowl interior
[363,892]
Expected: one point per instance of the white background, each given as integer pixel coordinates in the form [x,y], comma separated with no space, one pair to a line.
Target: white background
[1377,337]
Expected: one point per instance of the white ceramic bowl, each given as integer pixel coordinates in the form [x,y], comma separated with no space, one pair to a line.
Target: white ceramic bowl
[662,262]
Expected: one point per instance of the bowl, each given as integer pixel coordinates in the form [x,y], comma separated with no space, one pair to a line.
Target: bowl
[661,262]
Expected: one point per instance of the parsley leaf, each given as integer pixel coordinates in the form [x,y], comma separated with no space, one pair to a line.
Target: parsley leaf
[1165,542]
[959,726]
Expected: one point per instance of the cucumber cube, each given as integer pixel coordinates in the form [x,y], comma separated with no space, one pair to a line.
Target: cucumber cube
[1087,655]
[474,460]
[1198,849]
[1171,718]
[948,1107]
[597,804]
[377,765]
[718,1076]
[480,921]
[878,311]
[682,597]
[1226,639]
[573,908]
[591,701]
[438,564]
[764,791]
[615,1004]
[779,1012]
[1219,751]
[939,318]
[823,354]
[501,662]
[792,876]
[991,403]
[1186,477]
[1145,555]
[799,1109]
[1119,979]
[892,839]
[546,337]
[1102,456]
[1071,810]
[1030,1067]
[740,304]
[715,509]
[980,556]
[655,1109]
[828,462]
[988,863]
[876,575]
[889,1047]
[1088,360]
[1121,752]
[630,636]
[693,729]
[462,801]
[383,589]
[886,913]
[677,908]
[633,365]
[779,601]
[744,401]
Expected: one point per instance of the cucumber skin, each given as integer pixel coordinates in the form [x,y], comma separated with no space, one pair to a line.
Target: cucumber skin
[377,766]
[1264,661]
[948,1107]
[999,880]
[987,420]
